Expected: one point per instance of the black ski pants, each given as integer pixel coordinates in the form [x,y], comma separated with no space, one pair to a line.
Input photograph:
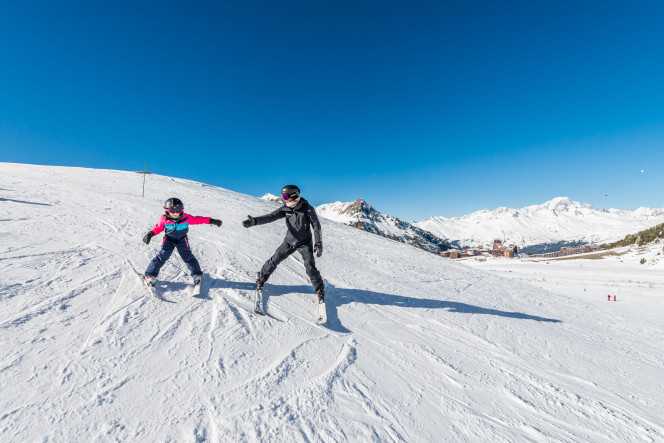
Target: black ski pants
[283,252]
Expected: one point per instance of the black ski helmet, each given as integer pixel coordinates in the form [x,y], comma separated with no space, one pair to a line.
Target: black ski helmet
[290,191]
[174,203]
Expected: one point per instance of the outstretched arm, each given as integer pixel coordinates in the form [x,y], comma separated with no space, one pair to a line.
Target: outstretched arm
[196,220]
[159,227]
[269,218]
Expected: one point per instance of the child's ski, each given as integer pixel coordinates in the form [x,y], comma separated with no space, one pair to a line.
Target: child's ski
[152,290]
[196,289]
[322,312]
[258,305]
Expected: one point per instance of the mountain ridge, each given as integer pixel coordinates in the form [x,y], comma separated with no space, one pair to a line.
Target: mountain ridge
[360,214]
[558,220]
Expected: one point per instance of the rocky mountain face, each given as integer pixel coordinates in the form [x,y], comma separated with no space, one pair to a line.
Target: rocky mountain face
[362,215]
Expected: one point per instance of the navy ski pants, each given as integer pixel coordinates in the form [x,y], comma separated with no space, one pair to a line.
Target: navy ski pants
[165,253]
[283,252]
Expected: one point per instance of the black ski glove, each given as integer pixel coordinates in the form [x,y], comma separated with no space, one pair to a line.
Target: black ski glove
[249,222]
[318,249]
[148,237]
[214,221]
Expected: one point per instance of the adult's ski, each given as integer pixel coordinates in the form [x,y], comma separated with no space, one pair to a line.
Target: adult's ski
[258,304]
[321,312]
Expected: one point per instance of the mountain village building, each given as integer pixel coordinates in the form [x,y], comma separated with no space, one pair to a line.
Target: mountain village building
[497,250]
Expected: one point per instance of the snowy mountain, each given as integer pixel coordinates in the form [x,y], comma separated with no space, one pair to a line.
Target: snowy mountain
[362,215]
[559,221]
[417,348]
[272,198]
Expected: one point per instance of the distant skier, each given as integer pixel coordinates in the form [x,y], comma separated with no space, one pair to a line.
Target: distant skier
[614,298]
[609,297]
[300,216]
[176,224]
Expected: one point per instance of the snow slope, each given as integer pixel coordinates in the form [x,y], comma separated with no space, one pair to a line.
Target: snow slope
[633,274]
[418,348]
[558,220]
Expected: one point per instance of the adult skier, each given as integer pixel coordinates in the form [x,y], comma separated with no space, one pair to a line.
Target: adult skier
[176,224]
[300,216]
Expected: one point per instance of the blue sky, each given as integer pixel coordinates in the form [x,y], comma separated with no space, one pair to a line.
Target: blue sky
[421,108]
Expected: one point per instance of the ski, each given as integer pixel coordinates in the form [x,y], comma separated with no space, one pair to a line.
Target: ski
[152,290]
[258,305]
[196,288]
[321,319]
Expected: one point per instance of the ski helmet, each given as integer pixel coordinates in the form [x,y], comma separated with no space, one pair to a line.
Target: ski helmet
[174,205]
[290,191]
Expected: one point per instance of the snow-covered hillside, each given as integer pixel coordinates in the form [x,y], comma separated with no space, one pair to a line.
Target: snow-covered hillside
[362,215]
[417,348]
[558,220]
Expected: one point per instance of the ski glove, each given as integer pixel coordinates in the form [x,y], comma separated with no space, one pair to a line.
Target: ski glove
[318,250]
[249,222]
[148,237]
[214,221]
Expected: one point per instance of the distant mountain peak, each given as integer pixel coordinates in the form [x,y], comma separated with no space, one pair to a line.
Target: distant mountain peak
[362,215]
[562,200]
[355,207]
[272,198]
[562,204]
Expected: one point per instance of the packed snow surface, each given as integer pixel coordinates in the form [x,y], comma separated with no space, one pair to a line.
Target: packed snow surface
[417,347]
[634,274]
[557,220]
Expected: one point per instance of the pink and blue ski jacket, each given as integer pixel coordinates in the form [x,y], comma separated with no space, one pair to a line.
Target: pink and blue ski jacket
[177,229]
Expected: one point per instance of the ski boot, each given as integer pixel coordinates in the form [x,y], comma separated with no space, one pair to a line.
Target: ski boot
[197,279]
[150,281]
[321,295]
[259,282]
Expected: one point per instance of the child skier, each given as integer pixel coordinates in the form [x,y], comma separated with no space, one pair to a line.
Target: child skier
[299,215]
[176,224]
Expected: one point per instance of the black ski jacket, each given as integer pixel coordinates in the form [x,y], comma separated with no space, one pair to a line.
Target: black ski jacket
[298,221]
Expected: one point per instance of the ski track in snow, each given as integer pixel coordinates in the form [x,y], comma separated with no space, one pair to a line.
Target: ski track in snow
[417,348]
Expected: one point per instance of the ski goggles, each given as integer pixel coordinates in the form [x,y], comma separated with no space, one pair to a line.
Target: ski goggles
[286,196]
[174,210]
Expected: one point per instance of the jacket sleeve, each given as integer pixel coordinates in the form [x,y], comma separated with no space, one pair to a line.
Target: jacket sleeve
[196,220]
[159,227]
[313,218]
[269,218]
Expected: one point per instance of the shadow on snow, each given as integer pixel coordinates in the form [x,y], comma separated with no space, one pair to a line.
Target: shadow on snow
[22,201]
[336,297]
